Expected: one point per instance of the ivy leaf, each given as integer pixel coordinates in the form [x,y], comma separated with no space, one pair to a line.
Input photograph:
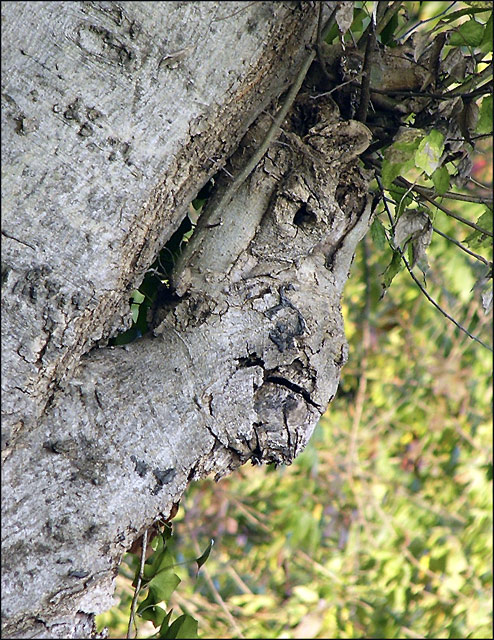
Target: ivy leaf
[429,152]
[163,584]
[484,124]
[184,626]
[202,559]
[440,178]
[378,234]
[154,614]
[470,33]
[164,624]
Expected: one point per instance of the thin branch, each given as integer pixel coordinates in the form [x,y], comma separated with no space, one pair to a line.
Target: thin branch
[460,90]
[417,281]
[477,137]
[139,582]
[487,187]
[370,48]
[462,247]
[437,96]
[402,182]
[335,88]
[421,22]
[458,196]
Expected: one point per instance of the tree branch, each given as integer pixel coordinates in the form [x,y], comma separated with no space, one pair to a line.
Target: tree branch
[462,247]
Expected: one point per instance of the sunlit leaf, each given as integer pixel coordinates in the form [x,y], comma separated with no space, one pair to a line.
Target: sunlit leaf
[469,33]
[202,558]
[484,124]
[163,584]
[430,149]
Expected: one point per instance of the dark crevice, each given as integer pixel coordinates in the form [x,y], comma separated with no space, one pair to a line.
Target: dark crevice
[252,360]
[304,217]
[293,387]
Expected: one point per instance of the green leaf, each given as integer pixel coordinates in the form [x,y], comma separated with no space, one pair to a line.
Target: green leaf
[378,234]
[202,559]
[164,625]
[484,124]
[135,311]
[428,154]
[163,584]
[388,33]
[137,296]
[470,33]
[154,614]
[440,178]
[477,239]
[399,156]
[393,268]
[487,39]
[184,626]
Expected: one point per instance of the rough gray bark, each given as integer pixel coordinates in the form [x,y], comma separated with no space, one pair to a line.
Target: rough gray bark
[243,364]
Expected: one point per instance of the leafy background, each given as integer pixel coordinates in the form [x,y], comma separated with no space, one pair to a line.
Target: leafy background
[382,527]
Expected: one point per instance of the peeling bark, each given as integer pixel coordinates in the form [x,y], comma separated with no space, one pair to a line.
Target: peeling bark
[240,368]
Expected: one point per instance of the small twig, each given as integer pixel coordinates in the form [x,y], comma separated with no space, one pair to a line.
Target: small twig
[462,247]
[338,86]
[419,284]
[230,15]
[403,182]
[139,581]
[487,187]
[458,196]
[474,81]
[370,47]
[477,137]
[425,94]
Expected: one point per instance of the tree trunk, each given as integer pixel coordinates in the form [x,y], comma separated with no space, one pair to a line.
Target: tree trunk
[115,115]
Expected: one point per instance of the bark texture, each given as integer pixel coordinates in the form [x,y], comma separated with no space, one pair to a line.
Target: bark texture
[247,357]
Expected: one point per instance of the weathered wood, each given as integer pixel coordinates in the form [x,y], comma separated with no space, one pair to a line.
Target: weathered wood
[246,360]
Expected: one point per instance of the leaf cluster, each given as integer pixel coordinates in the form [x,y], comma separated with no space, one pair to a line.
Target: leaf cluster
[423,85]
